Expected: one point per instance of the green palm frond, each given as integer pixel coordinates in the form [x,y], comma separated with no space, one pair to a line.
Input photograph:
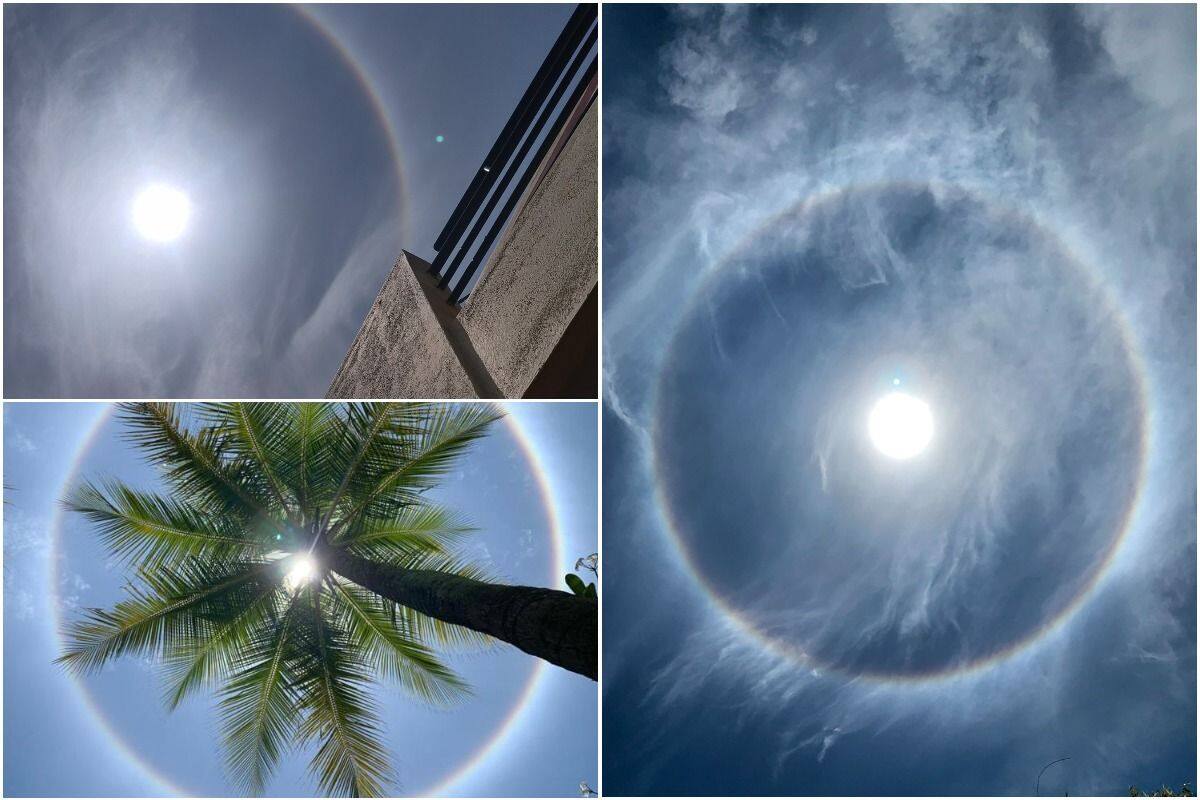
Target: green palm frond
[305,468]
[258,704]
[220,642]
[154,619]
[450,563]
[367,436]
[341,715]
[257,432]
[421,527]
[197,466]
[150,530]
[446,434]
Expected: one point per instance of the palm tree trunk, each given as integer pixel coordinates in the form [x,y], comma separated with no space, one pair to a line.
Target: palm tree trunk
[555,626]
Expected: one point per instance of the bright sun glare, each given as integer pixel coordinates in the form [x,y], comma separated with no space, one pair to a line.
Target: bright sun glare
[900,425]
[160,213]
[302,569]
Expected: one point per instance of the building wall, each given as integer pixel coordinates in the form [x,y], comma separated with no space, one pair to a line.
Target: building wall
[542,270]
[401,349]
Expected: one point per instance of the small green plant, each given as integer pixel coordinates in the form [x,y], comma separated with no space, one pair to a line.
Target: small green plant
[576,585]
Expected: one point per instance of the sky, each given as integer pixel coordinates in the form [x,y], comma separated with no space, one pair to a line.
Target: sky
[992,210]
[529,730]
[313,143]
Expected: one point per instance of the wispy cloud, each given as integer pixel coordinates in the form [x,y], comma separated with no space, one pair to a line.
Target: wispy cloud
[19,440]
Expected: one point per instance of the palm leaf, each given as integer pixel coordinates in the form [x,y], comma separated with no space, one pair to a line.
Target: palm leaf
[421,527]
[197,465]
[341,715]
[258,432]
[258,705]
[305,470]
[157,618]
[152,530]
[447,432]
[220,644]
[366,436]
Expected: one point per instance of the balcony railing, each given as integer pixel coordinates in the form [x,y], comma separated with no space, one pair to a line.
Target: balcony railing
[563,88]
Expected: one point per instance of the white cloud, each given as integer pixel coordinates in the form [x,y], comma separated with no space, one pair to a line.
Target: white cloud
[1160,67]
[19,440]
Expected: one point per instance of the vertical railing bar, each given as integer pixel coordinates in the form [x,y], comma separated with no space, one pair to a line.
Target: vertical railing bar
[579,22]
[489,171]
[514,164]
[515,196]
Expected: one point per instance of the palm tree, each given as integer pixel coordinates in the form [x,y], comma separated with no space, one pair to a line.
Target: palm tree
[295,559]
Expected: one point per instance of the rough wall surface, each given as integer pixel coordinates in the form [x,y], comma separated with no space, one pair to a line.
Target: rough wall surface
[541,271]
[401,350]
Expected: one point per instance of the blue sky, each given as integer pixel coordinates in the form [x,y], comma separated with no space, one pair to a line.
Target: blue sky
[109,735]
[279,123]
[991,210]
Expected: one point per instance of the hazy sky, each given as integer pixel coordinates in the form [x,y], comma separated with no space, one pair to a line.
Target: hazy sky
[990,209]
[274,120]
[110,734]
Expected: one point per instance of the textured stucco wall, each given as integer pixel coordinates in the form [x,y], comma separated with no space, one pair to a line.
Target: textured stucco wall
[401,350]
[542,270]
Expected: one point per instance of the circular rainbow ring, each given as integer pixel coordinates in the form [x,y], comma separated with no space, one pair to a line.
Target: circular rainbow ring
[378,109]
[739,621]
[479,757]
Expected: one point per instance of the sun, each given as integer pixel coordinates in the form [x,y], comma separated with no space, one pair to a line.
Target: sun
[301,570]
[900,425]
[161,212]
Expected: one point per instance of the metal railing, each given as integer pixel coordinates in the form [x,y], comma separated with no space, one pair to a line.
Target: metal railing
[507,170]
